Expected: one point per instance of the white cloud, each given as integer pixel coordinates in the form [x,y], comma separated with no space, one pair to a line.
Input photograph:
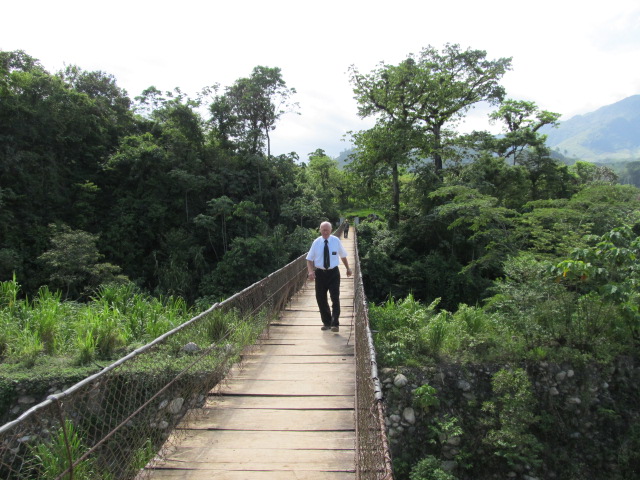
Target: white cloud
[568,56]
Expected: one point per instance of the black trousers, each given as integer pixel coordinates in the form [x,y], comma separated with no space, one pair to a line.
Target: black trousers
[328,281]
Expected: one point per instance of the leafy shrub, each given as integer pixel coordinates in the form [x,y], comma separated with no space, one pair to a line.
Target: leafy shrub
[402,330]
[510,419]
[117,315]
[54,457]
[424,397]
[429,468]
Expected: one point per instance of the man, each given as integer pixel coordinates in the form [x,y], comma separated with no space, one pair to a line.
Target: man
[322,264]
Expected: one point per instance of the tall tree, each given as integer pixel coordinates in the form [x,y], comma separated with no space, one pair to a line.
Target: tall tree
[384,149]
[522,122]
[432,91]
[255,104]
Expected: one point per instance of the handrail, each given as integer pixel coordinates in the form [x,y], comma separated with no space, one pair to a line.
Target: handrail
[109,421]
[373,455]
[115,420]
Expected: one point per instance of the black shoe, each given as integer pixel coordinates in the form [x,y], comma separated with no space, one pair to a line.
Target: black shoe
[335,328]
[325,327]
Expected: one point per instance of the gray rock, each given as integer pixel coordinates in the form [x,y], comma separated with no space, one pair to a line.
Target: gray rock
[455,441]
[553,391]
[574,400]
[400,380]
[176,405]
[560,376]
[464,385]
[409,415]
[191,348]
[449,465]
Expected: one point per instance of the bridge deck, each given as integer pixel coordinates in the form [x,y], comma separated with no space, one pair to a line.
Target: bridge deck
[287,412]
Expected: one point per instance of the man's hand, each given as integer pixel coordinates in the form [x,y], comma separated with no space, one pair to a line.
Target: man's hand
[349,272]
[311,276]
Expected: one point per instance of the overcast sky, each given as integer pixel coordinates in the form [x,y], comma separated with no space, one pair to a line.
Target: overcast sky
[569,56]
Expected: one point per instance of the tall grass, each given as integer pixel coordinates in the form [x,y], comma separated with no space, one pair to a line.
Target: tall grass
[114,318]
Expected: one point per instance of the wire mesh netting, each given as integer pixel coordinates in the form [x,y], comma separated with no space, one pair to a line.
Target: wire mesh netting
[112,424]
[373,455]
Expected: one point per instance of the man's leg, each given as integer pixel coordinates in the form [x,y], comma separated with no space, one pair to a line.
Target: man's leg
[322,285]
[334,293]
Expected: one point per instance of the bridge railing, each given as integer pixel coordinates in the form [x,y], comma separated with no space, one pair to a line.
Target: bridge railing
[109,425]
[373,457]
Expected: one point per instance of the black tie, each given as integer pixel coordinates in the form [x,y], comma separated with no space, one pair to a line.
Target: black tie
[327,261]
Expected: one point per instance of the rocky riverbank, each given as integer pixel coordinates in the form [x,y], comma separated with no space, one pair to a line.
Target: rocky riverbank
[579,421]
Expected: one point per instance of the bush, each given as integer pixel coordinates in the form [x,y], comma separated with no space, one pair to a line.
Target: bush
[429,468]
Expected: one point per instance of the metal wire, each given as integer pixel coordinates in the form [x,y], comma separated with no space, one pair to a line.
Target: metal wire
[109,425]
[372,447]
[114,423]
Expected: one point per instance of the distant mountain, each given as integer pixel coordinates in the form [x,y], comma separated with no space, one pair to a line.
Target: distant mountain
[611,133]
[343,158]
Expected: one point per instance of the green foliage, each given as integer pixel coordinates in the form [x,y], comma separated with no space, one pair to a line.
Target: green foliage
[424,397]
[511,417]
[429,468]
[522,120]
[126,185]
[117,316]
[401,330]
[73,262]
[143,455]
[60,452]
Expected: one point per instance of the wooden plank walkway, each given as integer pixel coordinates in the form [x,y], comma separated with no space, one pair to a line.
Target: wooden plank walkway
[287,412]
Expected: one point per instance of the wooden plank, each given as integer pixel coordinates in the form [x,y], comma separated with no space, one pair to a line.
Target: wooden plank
[260,459]
[265,439]
[266,370]
[302,359]
[285,412]
[282,402]
[291,387]
[210,474]
[318,349]
[274,419]
[302,338]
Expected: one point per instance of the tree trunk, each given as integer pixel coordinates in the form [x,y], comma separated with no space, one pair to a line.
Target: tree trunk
[437,141]
[266,132]
[395,214]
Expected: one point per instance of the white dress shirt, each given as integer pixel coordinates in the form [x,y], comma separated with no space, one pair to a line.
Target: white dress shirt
[336,252]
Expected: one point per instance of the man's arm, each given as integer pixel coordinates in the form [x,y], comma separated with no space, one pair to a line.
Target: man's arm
[346,264]
[311,269]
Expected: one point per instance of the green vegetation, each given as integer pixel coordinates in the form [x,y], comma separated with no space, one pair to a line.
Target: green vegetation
[177,195]
[58,455]
[117,319]
[120,218]
[499,264]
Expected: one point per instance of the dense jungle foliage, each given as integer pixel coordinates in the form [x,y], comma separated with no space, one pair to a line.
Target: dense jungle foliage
[174,194]
[474,248]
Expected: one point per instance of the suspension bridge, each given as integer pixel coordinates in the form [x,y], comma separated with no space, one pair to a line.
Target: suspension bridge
[301,404]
